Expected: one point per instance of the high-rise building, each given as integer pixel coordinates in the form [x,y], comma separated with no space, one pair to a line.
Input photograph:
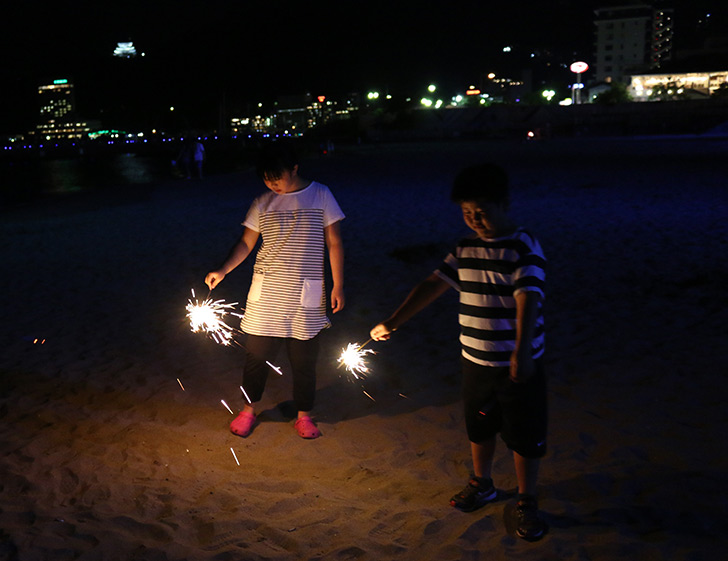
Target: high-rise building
[58,113]
[56,101]
[631,39]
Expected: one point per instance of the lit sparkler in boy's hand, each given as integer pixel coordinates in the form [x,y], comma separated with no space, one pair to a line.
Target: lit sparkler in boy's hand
[352,357]
[207,317]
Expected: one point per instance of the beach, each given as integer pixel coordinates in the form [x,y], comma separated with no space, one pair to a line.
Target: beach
[115,444]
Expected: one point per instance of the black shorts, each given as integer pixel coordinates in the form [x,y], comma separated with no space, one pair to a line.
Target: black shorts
[494,404]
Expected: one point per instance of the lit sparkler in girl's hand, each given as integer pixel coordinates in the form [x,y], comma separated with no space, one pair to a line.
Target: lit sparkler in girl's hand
[207,317]
[352,357]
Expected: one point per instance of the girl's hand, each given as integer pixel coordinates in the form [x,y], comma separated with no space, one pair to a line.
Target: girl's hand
[337,300]
[213,279]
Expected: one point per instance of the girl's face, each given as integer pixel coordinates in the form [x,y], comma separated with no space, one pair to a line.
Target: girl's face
[288,182]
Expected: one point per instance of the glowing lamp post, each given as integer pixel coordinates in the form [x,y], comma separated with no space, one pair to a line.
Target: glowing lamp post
[577,68]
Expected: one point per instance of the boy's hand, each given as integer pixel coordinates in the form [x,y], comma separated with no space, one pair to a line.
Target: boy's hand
[381,332]
[522,367]
[337,300]
[213,279]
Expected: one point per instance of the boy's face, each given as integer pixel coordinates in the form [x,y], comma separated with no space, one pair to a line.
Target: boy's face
[286,183]
[486,219]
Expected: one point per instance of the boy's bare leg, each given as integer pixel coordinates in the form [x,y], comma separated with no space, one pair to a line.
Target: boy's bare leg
[482,453]
[526,474]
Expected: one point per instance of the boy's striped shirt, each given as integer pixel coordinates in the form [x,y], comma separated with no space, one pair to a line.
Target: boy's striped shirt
[488,275]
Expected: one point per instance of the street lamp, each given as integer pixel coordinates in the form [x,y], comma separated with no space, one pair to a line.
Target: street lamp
[577,68]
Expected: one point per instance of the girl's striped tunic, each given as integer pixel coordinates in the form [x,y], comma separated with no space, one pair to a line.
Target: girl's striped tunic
[488,275]
[287,296]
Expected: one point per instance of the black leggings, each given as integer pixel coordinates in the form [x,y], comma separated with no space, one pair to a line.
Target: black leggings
[302,356]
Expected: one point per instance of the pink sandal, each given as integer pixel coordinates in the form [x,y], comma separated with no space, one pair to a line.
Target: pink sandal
[243,424]
[306,429]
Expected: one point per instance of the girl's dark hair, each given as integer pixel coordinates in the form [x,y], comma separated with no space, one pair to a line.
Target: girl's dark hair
[487,182]
[275,158]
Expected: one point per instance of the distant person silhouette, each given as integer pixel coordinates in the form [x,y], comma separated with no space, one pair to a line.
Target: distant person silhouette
[183,159]
[198,156]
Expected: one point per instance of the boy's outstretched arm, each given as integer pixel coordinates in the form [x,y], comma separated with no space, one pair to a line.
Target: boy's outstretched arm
[421,296]
[526,314]
[332,235]
[237,255]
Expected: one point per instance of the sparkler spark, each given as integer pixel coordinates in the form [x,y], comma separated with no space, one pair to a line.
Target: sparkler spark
[235,456]
[276,368]
[207,317]
[226,406]
[352,357]
[245,394]
[180,384]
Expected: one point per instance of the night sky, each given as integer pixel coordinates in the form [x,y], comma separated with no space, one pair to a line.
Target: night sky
[201,56]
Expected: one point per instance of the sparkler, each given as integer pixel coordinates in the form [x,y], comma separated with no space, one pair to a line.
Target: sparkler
[207,317]
[352,357]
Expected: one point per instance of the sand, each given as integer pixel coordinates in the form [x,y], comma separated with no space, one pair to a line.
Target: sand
[105,455]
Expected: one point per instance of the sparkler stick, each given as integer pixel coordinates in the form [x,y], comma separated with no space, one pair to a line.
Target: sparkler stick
[365,344]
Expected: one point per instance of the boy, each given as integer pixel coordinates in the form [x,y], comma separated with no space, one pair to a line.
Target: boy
[297,220]
[499,273]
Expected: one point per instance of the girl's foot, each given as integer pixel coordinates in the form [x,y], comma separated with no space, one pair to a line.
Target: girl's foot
[305,428]
[243,424]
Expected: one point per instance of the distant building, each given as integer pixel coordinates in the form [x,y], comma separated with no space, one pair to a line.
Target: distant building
[292,115]
[125,50]
[631,39]
[58,117]
[683,85]
[57,101]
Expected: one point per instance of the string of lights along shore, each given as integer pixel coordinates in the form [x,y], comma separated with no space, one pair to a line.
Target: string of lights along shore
[634,54]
